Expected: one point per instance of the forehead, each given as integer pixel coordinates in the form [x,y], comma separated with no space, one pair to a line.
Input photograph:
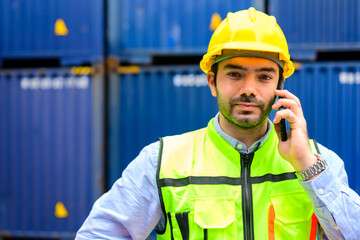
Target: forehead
[249,63]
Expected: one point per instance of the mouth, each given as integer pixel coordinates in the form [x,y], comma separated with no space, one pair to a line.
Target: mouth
[246,106]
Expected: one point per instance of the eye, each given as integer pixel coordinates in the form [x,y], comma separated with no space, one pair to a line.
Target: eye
[234,74]
[265,77]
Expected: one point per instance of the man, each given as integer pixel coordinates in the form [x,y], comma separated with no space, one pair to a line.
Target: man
[235,179]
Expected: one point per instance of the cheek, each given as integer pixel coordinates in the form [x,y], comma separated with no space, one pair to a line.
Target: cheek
[270,99]
[269,91]
[229,90]
[222,97]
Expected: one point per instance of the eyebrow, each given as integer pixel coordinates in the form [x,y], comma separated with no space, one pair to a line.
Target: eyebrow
[239,67]
[233,66]
[270,69]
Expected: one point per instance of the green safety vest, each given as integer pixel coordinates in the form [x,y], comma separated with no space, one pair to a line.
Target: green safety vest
[208,190]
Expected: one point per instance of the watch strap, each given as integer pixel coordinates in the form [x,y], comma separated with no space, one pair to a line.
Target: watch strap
[318,167]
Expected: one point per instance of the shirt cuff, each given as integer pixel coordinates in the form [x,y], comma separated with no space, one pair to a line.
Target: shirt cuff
[322,190]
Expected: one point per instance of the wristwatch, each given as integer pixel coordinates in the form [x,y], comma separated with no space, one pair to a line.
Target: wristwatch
[313,170]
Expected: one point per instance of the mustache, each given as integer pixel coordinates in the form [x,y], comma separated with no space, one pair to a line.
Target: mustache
[247,99]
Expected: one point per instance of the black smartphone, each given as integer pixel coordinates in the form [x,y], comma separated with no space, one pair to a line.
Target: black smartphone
[283,134]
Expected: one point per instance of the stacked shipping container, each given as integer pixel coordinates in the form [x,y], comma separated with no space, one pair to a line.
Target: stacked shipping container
[51,120]
[316,26]
[69,32]
[50,151]
[140,29]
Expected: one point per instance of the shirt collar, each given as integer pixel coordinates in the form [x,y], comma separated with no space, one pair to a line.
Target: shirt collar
[239,146]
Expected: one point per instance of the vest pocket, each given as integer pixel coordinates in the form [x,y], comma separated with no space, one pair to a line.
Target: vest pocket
[216,217]
[214,212]
[208,218]
[293,212]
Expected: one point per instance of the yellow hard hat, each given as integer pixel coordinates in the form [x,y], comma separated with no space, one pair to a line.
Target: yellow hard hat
[248,33]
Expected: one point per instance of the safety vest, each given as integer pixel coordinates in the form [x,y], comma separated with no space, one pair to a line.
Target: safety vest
[208,190]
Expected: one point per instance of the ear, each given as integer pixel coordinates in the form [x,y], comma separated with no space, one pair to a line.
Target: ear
[210,78]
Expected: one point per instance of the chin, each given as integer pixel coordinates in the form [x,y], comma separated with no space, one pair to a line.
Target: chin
[248,121]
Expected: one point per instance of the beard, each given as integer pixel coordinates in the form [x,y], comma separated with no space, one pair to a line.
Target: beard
[244,119]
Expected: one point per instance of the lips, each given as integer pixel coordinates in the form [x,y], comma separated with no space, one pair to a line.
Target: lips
[246,106]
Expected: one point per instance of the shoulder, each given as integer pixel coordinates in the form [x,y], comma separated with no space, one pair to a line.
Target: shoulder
[148,156]
[181,144]
[183,139]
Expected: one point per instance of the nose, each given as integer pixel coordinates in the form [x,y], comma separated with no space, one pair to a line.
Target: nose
[248,86]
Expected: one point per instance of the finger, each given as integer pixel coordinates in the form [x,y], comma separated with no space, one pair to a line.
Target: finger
[285,114]
[288,95]
[289,104]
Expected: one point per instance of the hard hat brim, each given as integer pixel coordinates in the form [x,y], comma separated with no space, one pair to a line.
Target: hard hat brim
[257,49]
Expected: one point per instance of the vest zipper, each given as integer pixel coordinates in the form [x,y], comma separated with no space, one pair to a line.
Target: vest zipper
[247,205]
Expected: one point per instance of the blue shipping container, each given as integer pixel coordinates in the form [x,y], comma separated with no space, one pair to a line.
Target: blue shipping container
[71,31]
[139,29]
[166,101]
[320,25]
[50,151]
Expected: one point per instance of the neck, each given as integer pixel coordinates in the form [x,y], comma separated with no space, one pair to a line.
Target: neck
[245,135]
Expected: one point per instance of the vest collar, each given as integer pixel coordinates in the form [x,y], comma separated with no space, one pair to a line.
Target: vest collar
[228,150]
[236,143]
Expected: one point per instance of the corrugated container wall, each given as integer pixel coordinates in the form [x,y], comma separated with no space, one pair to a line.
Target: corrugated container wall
[163,101]
[69,31]
[154,103]
[142,28]
[50,151]
[320,25]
